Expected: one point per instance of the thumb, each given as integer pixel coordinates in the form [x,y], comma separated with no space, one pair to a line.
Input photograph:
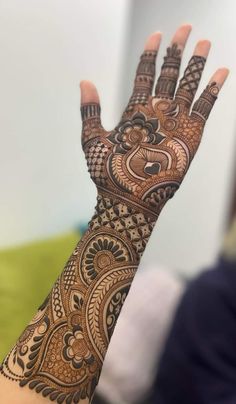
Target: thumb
[90,111]
[90,104]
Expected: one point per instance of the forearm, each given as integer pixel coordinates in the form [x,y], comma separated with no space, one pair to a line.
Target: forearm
[60,354]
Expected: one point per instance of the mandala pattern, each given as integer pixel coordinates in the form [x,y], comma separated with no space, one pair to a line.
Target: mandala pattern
[102,251]
[135,131]
[137,168]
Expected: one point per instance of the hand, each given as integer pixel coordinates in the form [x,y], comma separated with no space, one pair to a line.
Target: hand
[145,158]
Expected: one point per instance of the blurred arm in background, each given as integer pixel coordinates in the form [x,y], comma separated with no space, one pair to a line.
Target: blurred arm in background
[199,361]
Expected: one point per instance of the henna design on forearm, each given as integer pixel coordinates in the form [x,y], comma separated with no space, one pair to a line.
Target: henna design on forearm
[60,353]
[137,168]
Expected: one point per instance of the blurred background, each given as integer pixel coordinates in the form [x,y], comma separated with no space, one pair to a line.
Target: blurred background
[46,48]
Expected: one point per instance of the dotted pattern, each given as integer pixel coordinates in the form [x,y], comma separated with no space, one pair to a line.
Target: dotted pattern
[95,155]
[56,301]
[69,272]
[137,98]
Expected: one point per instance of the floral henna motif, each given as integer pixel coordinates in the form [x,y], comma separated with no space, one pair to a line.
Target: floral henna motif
[75,349]
[135,131]
[137,168]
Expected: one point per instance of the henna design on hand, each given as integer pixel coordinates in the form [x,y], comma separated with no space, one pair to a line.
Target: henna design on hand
[144,79]
[203,105]
[190,81]
[137,168]
[167,81]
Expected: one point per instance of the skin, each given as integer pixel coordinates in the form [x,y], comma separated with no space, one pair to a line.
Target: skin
[136,168]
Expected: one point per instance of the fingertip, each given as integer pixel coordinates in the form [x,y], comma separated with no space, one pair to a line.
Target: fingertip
[89,92]
[202,48]
[153,41]
[223,71]
[220,76]
[181,35]
[186,25]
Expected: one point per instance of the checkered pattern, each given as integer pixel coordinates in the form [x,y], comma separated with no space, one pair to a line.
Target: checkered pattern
[69,270]
[95,155]
[135,226]
[192,74]
[137,98]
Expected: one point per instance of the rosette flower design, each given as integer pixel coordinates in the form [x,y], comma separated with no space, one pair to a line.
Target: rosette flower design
[138,129]
[75,349]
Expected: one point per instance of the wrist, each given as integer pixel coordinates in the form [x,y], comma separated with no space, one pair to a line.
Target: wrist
[125,216]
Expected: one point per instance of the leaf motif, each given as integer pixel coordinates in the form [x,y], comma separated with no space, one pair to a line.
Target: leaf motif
[21,363]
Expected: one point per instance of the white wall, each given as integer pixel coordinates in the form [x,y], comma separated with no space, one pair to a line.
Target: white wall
[46,48]
[189,231]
